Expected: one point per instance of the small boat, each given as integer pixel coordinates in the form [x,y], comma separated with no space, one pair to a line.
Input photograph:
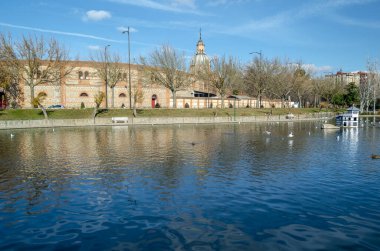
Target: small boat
[375,156]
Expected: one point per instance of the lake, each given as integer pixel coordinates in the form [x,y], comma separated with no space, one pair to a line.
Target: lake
[190,187]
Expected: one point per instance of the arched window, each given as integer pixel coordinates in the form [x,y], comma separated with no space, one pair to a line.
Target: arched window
[86,75]
[80,75]
[122,95]
[83,94]
[119,76]
[42,94]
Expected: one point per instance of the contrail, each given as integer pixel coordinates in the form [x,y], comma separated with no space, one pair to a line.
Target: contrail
[62,33]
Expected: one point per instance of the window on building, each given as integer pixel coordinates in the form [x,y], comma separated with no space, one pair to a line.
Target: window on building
[86,75]
[122,95]
[80,75]
[42,94]
[83,94]
[124,76]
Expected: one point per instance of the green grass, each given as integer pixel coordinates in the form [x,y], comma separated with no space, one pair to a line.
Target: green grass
[32,114]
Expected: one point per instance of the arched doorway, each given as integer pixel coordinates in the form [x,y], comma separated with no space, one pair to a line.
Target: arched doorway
[154,98]
[3,102]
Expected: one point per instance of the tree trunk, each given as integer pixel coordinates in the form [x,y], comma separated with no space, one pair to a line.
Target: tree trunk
[32,95]
[174,98]
[222,99]
[113,97]
[95,112]
[258,102]
[43,111]
[299,102]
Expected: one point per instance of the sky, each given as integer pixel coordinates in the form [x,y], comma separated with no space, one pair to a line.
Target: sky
[324,35]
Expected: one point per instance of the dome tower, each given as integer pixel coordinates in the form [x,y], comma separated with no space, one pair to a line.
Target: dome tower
[200,59]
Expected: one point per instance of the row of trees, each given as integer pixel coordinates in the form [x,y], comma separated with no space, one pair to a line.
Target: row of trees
[35,61]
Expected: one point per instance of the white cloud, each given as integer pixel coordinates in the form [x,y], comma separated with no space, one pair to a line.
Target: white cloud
[180,6]
[94,47]
[184,4]
[96,15]
[122,28]
[317,69]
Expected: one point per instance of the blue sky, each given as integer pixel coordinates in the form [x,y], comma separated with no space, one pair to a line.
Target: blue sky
[328,35]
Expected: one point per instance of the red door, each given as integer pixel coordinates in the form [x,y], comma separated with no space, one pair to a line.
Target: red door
[154,98]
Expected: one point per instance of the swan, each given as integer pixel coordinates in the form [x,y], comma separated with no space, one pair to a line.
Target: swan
[291,135]
[267,132]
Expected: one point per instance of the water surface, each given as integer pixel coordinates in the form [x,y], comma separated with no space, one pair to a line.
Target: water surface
[190,187]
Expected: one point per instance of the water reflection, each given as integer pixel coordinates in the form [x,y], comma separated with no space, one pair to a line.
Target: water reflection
[190,187]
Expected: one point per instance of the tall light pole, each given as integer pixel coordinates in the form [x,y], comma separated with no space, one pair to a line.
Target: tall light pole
[129,68]
[106,70]
[258,105]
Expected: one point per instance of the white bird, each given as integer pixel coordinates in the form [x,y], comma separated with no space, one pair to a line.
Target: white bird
[309,132]
[12,135]
[267,132]
[337,137]
[291,135]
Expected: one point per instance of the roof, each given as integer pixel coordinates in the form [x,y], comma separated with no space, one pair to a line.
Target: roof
[239,97]
[353,109]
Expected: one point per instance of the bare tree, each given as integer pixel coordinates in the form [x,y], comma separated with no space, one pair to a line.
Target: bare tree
[168,68]
[316,87]
[9,71]
[222,75]
[300,83]
[41,62]
[280,84]
[369,86]
[255,79]
[98,99]
[109,69]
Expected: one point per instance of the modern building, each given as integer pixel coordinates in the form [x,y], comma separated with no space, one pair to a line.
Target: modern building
[348,77]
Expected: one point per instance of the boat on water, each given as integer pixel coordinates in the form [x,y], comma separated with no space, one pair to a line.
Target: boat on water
[375,156]
[348,119]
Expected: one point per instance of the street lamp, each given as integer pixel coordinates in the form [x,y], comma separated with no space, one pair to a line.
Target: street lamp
[129,68]
[260,54]
[106,70]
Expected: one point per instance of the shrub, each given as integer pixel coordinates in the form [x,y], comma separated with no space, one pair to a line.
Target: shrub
[82,106]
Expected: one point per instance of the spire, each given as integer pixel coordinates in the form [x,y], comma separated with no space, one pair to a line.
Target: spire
[200,44]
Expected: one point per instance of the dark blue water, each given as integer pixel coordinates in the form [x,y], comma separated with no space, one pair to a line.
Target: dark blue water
[212,187]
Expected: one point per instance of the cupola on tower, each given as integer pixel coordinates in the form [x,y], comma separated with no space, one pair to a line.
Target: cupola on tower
[200,60]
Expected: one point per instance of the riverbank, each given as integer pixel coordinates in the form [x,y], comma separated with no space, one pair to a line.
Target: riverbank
[51,123]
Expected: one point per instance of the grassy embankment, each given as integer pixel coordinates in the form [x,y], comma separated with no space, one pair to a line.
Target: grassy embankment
[32,114]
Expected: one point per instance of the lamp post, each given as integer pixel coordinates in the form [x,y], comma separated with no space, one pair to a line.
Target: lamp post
[129,68]
[258,105]
[106,70]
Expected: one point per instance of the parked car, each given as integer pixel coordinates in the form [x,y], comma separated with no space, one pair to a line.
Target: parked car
[56,107]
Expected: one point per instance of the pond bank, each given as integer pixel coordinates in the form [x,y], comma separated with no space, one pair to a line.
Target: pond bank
[21,124]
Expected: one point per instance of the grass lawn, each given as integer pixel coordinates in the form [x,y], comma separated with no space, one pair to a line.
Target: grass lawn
[31,114]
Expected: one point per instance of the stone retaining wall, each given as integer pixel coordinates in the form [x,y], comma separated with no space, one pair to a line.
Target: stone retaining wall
[10,124]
